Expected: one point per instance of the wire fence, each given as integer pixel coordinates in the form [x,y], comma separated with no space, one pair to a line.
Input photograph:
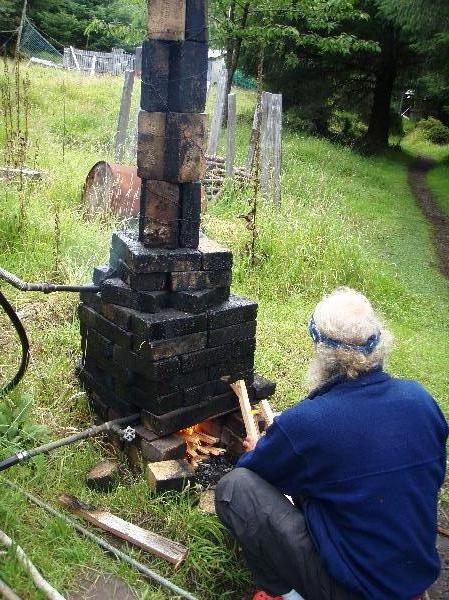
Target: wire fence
[34,45]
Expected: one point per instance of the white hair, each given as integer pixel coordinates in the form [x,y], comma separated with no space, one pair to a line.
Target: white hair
[347,316]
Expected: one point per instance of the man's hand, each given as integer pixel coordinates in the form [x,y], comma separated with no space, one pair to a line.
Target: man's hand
[250,443]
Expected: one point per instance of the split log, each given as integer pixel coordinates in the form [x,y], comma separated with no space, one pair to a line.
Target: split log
[239,388]
[39,581]
[171,551]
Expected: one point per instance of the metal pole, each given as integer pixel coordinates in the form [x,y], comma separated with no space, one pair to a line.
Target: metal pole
[82,435]
[19,33]
[101,542]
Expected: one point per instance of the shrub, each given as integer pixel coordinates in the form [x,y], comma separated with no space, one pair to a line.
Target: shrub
[434,131]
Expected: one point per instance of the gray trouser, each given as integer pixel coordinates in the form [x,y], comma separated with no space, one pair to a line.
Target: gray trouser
[274,538]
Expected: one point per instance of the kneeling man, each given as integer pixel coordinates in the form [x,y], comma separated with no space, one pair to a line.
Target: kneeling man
[363,457]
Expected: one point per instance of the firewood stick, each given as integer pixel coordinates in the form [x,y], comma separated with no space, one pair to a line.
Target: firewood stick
[239,388]
[6,592]
[39,581]
[267,412]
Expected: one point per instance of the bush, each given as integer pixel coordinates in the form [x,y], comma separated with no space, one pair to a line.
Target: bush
[294,120]
[434,131]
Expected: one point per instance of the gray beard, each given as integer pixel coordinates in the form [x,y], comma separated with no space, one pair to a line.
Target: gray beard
[320,372]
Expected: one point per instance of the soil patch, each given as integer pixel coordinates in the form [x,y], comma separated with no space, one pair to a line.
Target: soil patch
[417,177]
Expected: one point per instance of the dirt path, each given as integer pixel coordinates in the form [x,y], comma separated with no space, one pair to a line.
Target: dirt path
[417,177]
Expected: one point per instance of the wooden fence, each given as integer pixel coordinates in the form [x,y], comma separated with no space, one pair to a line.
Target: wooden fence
[98,63]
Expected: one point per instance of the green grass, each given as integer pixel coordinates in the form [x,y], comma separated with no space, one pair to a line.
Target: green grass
[415,144]
[438,180]
[344,220]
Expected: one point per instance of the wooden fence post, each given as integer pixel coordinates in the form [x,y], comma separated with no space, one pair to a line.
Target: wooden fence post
[75,60]
[265,143]
[217,119]
[92,66]
[277,147]
[123,119]
[254,135]
[232,121]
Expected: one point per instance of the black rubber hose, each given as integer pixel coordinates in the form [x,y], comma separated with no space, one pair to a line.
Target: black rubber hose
[17,323]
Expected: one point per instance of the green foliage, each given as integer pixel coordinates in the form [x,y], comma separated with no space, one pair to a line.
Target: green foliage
[16,426]
[434,131]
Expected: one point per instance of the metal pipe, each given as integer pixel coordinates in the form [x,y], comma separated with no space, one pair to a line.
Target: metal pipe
[46,288]
[25,455]
[103,544]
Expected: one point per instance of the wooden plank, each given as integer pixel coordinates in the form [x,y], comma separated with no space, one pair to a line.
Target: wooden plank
[277,147]
[123,119]
[158,545]
[232,122]
[217,118]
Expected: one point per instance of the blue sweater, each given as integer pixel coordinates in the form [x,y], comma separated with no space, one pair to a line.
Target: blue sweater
[369,456]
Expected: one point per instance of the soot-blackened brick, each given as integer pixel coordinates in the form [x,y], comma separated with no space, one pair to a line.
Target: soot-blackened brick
[168,324]
[196,20]
[161,201]
[233,311]
[159,349]
[91,299]
[213,255]
[143,282]
[155,74]
[101,273]
[189,234]
[105,327]
[116,291]
[190,201]
[190,415]
[155,371]
[160,235]
[165,448]
[96,340]
[263,388]
[187,87]
[242,350]
[93,384]
[158,405]
[185,147]
[139,259]
[199,301]
[120,315]
[227,335]
[200,280]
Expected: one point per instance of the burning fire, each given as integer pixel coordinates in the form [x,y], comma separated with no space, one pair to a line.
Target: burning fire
[200,445]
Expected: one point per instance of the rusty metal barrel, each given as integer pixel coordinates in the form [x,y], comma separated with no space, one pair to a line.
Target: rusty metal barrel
[112,188]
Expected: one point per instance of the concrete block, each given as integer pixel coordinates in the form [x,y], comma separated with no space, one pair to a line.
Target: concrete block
[169,475]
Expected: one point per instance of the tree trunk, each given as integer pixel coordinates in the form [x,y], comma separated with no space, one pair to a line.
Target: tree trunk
[376,138]
[233,51]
